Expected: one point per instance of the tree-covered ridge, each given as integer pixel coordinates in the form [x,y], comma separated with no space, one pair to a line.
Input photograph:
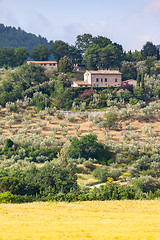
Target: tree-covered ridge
[14,38]
[92,52]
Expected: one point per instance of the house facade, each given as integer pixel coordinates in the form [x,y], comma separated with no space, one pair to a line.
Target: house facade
[52,64]
[103,78]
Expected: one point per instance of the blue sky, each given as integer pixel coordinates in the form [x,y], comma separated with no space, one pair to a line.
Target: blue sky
[127,22]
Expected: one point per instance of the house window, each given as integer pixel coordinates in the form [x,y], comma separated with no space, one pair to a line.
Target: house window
[97,85]
[97,80]
[116,80]
[101,79]
[105,79]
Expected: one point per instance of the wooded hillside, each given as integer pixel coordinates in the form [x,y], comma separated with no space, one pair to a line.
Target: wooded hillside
[14,38]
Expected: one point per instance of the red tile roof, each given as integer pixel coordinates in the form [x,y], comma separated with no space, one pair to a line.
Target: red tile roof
[41,62]
[105,72]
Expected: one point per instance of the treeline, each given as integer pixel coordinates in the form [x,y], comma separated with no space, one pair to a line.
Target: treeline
[54,184]
[93,52]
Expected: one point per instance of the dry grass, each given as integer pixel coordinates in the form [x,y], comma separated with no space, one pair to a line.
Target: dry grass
[83,220]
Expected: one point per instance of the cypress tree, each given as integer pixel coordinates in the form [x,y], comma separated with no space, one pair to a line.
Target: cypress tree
[142,81]
[158,54]
[138,79]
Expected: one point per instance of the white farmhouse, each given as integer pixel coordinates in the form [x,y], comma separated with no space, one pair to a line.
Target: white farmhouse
[103,78]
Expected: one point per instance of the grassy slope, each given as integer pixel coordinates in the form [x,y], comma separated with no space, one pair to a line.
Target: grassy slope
[83,220]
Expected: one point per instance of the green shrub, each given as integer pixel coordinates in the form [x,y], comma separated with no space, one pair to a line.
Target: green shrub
[7,197]
[89,147]
[101,173]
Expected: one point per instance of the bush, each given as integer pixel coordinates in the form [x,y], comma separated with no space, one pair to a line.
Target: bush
[88,147]
[114,173]
[111,120]
[7,197]
[133,101]
[101,173]
[111,191]
[9,143]
[145,184]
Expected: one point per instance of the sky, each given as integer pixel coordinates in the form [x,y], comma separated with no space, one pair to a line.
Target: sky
[128,22]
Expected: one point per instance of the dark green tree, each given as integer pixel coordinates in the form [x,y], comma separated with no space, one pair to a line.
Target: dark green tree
[142,82]
[101,41]
[9,143]
[108,58]
[75,55]
[137,56]
[139,94]
[65,65]
[149,63]
[14,84]
[64,80]
[40,53]
[119,53]
[21,55]
[83,41]
[149,49]
[7,57]
[89,147]
[128,70]
[138,79]
[128,56]
[30,75]
[157,54]
[91,57]
[59,49]
[127,95]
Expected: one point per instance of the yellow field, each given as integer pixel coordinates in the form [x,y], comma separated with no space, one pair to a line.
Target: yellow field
[82,220]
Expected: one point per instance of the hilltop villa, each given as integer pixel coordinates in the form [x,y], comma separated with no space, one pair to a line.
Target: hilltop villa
[52,64]
[101,78]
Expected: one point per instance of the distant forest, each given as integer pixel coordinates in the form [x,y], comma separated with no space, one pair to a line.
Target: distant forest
[14,38]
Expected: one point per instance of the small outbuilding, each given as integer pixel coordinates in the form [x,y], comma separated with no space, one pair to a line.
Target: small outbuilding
[81,84]
[130,82]
[52,64]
